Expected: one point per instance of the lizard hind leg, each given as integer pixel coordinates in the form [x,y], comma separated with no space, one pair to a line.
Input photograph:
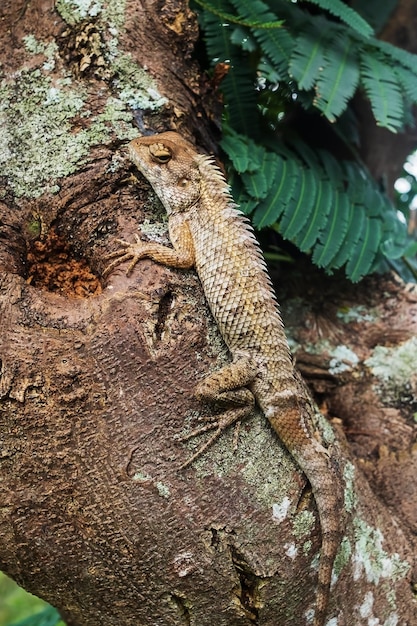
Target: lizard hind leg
[227,388]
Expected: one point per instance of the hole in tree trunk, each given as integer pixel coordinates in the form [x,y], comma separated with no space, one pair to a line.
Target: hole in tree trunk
[53,266]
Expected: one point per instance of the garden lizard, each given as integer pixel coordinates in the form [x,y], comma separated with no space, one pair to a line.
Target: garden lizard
[208,232]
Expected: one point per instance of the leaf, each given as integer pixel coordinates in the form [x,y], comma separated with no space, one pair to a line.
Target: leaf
[234,19]
[345,14]
[363,254]
[307,58]
[381,87]
[355,227]
[374,12]
[298,211]
[332,236]
[239,83]
[244,153]
[309,234]
[258,182]
[338,79]
[408,81]
[280,192]
[48,617]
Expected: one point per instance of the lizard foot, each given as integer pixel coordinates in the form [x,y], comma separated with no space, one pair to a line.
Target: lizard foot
[134,251]
[219,425]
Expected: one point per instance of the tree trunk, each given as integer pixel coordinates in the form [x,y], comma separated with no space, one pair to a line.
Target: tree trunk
[97,378]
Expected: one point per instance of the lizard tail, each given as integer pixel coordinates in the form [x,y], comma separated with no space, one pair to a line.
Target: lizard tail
[324,479]
[324,476]
[329,511]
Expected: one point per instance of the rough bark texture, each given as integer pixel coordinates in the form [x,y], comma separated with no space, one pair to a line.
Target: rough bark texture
[96,387]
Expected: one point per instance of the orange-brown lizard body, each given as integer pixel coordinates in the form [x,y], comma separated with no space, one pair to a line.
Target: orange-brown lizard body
[208,232]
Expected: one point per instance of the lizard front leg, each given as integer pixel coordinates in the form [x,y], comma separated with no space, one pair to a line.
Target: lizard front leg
[227,386]
[180,256]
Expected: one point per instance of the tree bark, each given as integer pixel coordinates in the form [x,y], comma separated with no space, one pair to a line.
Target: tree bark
[97,377]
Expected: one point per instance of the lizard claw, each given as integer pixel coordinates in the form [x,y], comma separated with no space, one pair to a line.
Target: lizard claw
[127,251]
[220,424]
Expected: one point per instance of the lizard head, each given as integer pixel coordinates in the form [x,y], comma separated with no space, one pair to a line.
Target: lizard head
[169,163]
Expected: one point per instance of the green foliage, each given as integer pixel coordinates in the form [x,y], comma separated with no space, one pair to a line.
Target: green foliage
[323,206]
[48,617]
[292,61]
[375,12]
[19,608]
[345,14]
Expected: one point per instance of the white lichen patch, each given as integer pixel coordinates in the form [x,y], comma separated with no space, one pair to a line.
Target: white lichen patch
[394,366]
[291,550]
[356,314]
[73,11]
[49,50]
[371,560]
[367,607]
[140,477]
[280,510]
[350,498]
[366,612]
[163,490]
[134,85]
[343,359]
[38,144]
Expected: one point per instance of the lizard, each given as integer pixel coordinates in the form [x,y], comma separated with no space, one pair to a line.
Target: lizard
[208,231]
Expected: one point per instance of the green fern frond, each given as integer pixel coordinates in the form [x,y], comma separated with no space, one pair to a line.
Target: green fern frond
[238,84]
[49,616]
[240,95]
[325,200]
[408,81]
[345,14]
[277,44]
[355,226]
[338,77]
[363,254]
[381,87]
[308,58]
[258,183]
[244,154]
[375,12]
[322,206]
[255,11]
[404,58]
[279,195]
[234,19]
[303,202]
[333,234]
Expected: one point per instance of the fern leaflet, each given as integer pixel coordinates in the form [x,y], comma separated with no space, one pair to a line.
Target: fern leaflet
[332,236]
[338,78]
[363,254]
[233,19]
[346,15]
[308,55]
[379,82]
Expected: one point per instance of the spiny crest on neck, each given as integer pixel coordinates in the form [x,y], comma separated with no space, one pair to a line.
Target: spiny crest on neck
[214,179]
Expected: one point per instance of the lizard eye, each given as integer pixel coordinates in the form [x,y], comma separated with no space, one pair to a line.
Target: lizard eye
[160,153]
